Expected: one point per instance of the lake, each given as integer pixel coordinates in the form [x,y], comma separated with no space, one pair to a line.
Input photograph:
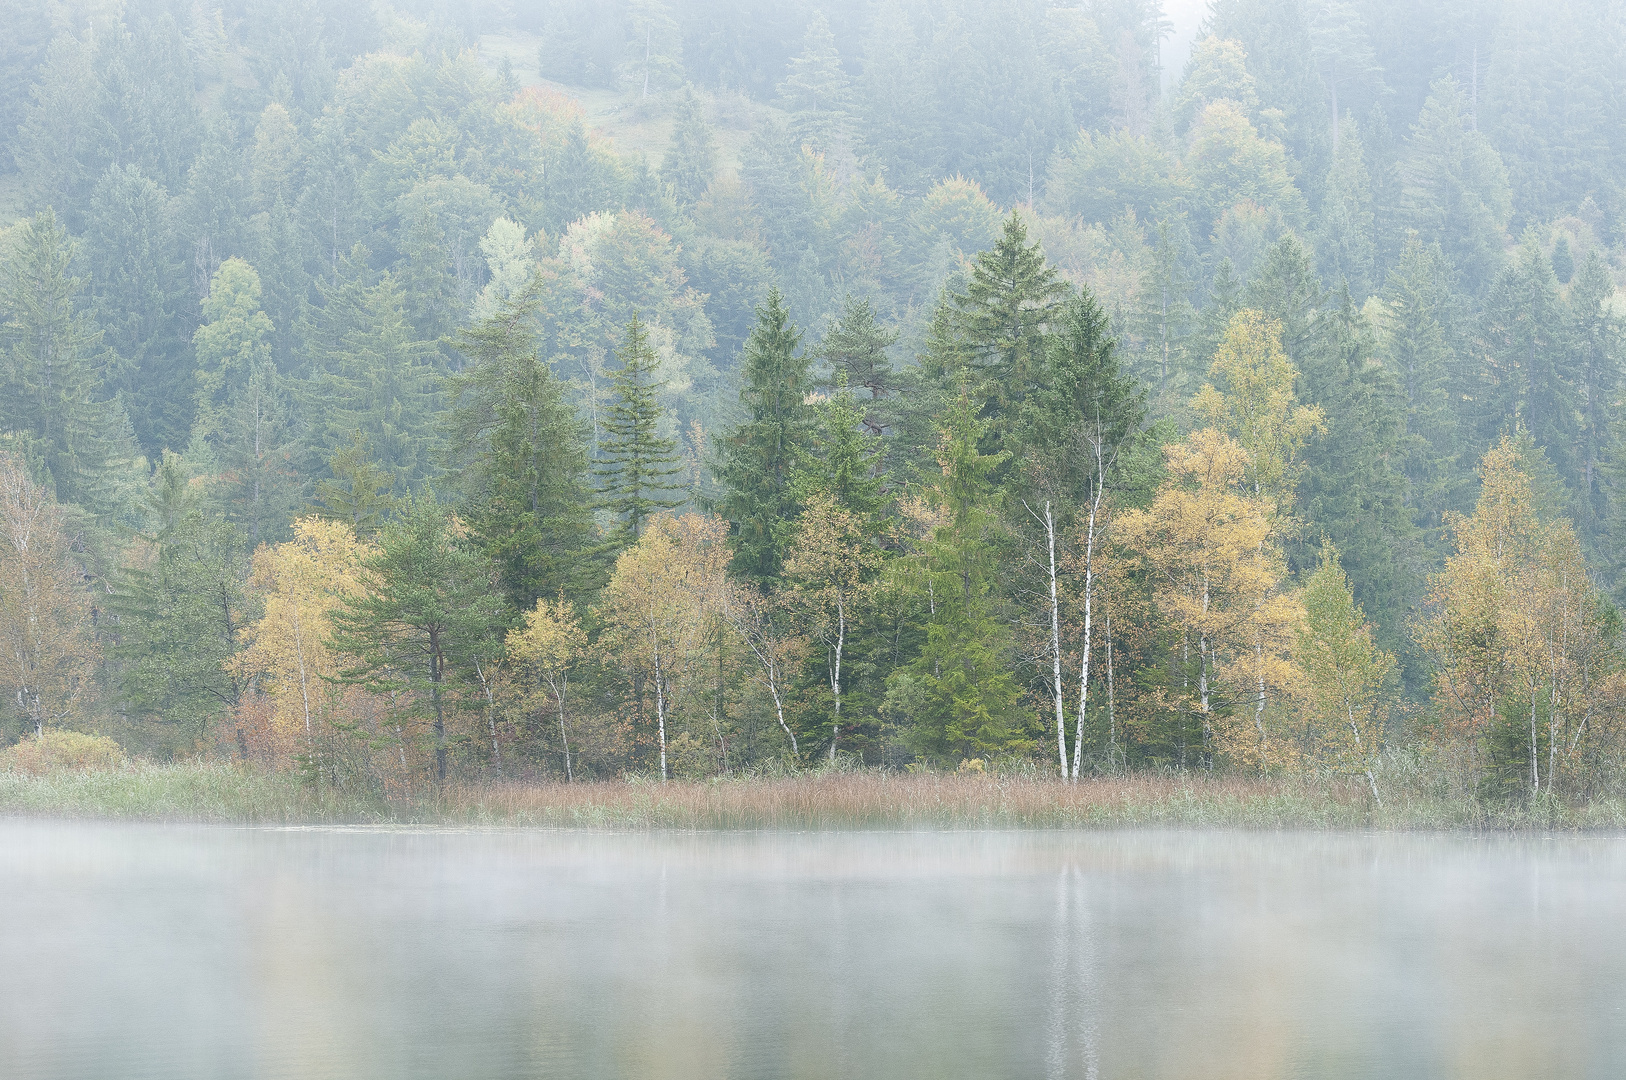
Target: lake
[136,951]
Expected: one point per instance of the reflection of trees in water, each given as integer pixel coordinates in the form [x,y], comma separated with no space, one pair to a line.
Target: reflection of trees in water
[1072,1024]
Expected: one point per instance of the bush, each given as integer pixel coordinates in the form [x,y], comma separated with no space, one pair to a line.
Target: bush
[62,750]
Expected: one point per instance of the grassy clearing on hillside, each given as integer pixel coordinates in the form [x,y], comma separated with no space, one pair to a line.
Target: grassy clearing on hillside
[223,793]
[633,126]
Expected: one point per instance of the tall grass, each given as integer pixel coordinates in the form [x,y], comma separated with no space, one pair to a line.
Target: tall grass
[862,799]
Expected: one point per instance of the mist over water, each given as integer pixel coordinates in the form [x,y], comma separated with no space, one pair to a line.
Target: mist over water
[181,952]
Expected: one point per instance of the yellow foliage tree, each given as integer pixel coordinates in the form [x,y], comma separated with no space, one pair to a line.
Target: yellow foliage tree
[303,581]
[1516,626]
[1205,543]
[1257,406]
[47,653]
[661,606]
[548,644]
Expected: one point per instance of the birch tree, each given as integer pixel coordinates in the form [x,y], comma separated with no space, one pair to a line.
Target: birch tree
[549,643]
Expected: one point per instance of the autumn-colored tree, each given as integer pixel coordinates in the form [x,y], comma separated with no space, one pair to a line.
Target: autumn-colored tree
[47,653]
[1346,676]
[1518,634]
[303,582]
[660,606]
[549,643]
[1254,404]
[1205,541]
[830,564]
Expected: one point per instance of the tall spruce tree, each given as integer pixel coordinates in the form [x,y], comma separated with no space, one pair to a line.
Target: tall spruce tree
[759,458]
[52,384]
[637,465]
[1003,314]
[519,450]
[691,159]
[855,348]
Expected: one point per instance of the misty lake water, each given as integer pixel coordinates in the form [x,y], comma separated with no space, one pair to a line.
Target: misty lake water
[179,952]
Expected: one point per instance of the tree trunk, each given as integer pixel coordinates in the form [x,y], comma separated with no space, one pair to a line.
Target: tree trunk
[436,662]
[835,673]
[1055,642]
[660,708]
[558,689]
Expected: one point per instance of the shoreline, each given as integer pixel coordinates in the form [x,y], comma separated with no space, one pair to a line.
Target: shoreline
[229,794]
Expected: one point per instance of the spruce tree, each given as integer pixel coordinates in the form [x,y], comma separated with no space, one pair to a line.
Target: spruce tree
[1164,315]
[1417,348]
[519,452]
[842,461]
[50,389]
[1599,349]
[691,158]
[760,456]
[636,465]
[855,348]
[356,490]
[1004,312]
[1345,238]
[816,92]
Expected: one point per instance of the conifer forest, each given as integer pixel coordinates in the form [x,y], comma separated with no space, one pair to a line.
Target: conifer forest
[583,390]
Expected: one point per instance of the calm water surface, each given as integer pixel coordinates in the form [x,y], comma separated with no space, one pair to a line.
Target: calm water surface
[142,951]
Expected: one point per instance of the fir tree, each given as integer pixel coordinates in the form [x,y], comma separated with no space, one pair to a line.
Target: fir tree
[816,92]
[519,450]
[636,464]
[356,490]
[1003,314]
[760,456]
[52,383]
[855,348]
[691,159]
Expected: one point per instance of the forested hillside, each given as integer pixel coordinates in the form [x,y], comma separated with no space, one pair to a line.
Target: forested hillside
[913,383]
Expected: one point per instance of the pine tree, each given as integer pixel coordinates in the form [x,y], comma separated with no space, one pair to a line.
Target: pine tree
[691,159]
[518,449]
[636,463]
[760,456]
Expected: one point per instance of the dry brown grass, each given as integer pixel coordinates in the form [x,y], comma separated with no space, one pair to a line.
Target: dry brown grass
[909,801]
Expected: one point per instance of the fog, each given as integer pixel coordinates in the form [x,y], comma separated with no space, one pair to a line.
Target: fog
[188,952]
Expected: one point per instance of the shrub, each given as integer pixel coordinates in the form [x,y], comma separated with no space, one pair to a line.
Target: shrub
[62,750]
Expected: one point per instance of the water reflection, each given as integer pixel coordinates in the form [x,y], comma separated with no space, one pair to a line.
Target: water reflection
[137,952]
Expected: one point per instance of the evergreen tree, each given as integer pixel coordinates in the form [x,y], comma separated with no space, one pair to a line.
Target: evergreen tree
[1523,370]
[357,490]
[1599,349]
[816,92]
[1455,187]
[760,456]
[959,698]
[1164,314]
[855,348]
[1003,314]
[1345,238]
[1417,348]
[691,159]
[636,463]
[140,291]
[841,462]
[380,381]
[52,383]
[426,606]
[518,449]
[180,625]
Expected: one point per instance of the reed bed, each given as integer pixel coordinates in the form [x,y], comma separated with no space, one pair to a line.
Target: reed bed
[857,799]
